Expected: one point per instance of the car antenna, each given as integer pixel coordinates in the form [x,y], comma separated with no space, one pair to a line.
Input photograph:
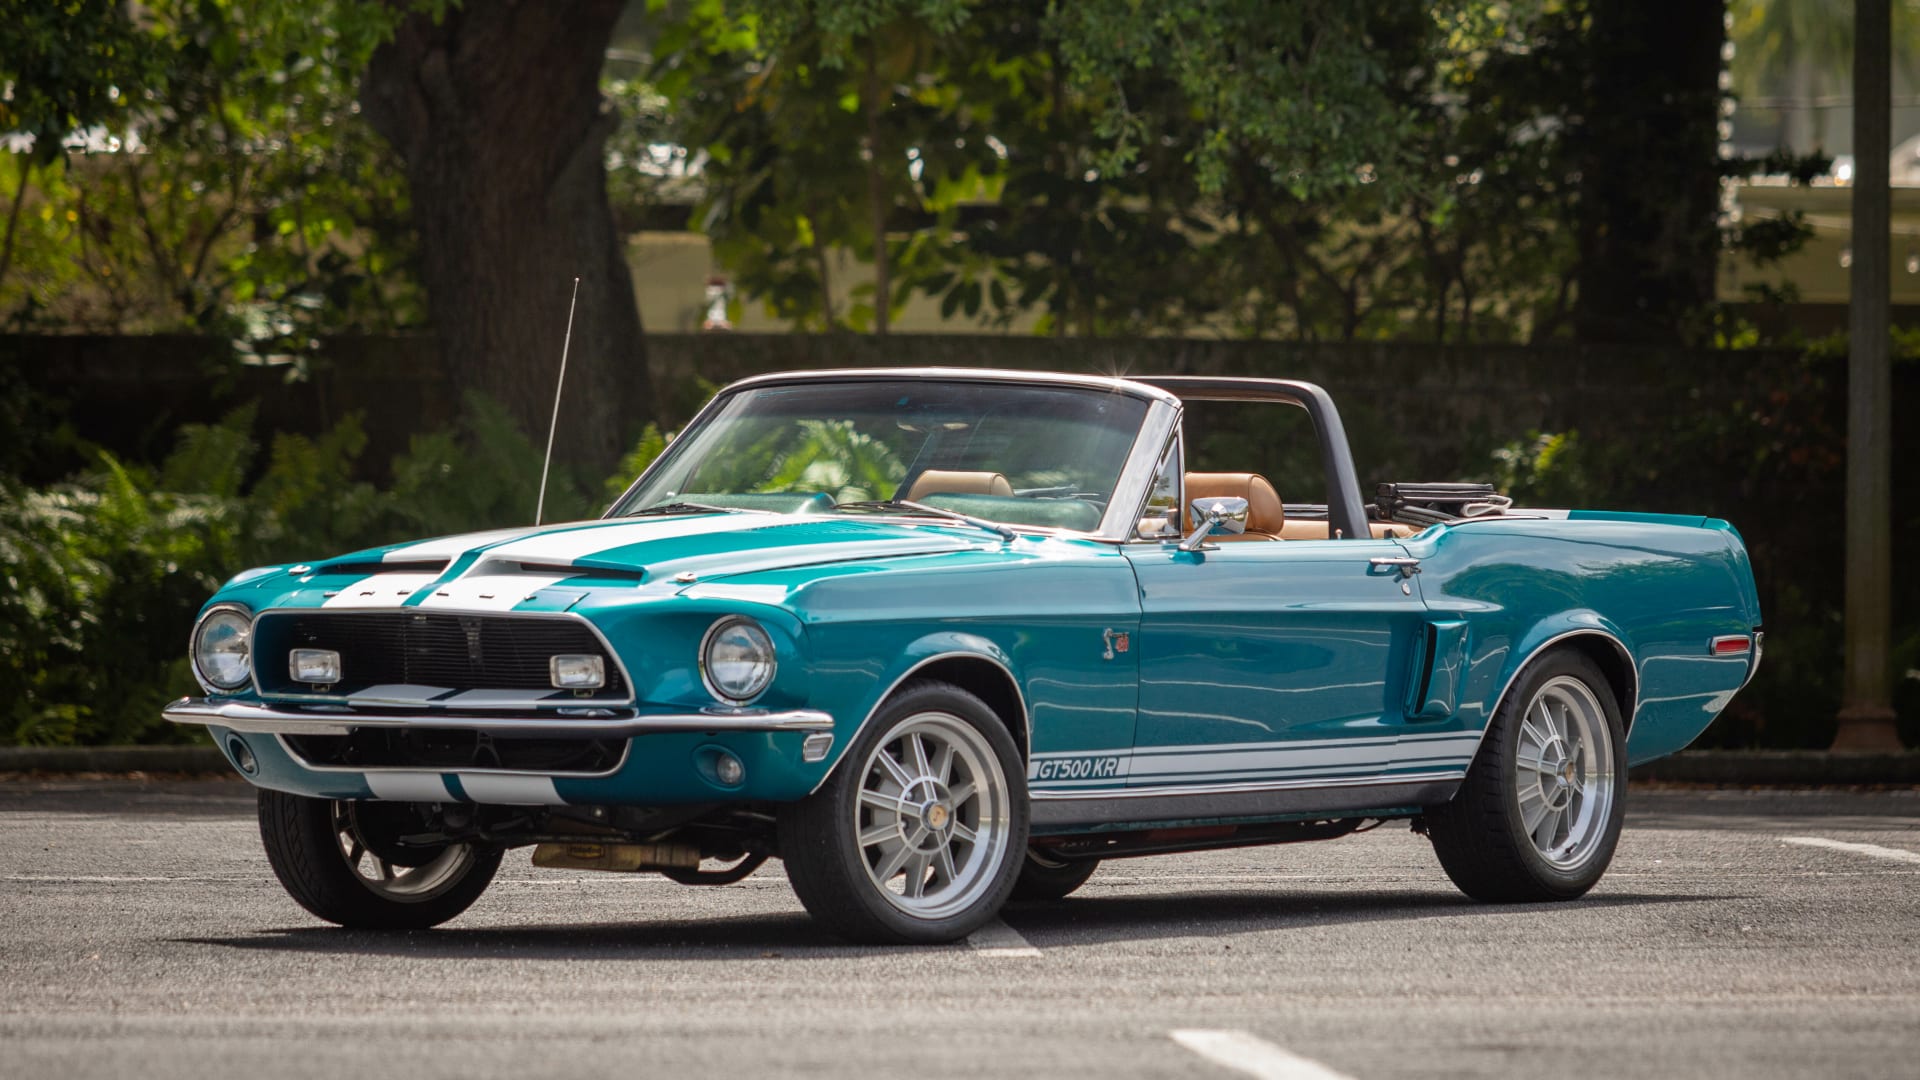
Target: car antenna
[540,506]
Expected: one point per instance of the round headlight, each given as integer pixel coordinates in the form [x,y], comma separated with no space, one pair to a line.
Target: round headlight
[222,650]
[737,659]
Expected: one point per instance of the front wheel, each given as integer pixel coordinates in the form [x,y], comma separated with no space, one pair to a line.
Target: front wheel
[341,861]
[1539,814]
[916,837]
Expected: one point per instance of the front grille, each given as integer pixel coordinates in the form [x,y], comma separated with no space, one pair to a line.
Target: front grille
[431,649]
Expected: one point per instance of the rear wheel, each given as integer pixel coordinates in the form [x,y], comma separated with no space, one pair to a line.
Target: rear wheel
[1539,814]
[916,836]
[1043,877]
[342,861]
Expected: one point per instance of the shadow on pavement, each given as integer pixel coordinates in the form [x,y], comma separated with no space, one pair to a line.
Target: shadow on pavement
[740,937]
[1093,919]
[1085,920]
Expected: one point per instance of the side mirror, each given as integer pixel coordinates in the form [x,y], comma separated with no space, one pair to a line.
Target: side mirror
[1223,514]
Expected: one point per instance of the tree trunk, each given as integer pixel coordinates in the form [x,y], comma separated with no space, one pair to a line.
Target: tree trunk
[497,113]
[875,94]
[1647,149]
[13,213]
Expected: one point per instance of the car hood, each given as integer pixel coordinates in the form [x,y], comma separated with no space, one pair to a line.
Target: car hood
[553,566]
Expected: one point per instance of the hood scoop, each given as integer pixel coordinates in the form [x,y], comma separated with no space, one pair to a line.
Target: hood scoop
[499,567]
[370,567]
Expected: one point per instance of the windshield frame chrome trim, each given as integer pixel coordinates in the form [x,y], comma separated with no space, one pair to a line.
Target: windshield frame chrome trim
[1135,485]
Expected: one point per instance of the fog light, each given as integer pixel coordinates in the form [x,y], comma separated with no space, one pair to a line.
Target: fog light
[243,758]
[578,672]
[318,666]
[728,770]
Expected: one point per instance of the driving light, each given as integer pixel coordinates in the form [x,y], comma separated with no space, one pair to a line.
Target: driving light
[242,754]
[736,660]
[578,672]
[317,666]
[728,769]
[221,649]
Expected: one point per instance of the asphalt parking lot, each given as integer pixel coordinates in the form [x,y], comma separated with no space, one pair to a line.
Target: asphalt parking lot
[1739,934]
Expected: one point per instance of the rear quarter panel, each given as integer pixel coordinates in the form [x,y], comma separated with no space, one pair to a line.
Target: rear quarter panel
[1663,586]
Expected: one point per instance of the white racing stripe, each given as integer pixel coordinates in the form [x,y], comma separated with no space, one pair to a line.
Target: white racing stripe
[380,590]
[489,592]
[571,544]
[1241,1052]
[446,547]
[1875,850]
[509,790]
[409,787]
[998,939]
[399,694]
[1281,760]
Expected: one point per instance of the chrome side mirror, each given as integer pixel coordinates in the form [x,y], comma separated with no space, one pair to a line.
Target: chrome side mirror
[1216,515]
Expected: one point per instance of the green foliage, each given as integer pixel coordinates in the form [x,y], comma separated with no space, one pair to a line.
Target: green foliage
[1308,91]
[1309,170]
[651,445]
[104,572]
[247,197]
[818,122]
[68,68]
[1546,469]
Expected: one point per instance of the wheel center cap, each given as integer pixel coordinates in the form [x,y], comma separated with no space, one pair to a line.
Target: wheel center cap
[938,815]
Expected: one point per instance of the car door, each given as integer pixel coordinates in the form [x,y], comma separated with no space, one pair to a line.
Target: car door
[1283,662]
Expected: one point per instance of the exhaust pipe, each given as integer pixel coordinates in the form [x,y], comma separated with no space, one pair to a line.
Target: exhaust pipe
[618,858]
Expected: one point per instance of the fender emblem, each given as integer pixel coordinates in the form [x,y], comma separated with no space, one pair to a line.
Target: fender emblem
[1117,642]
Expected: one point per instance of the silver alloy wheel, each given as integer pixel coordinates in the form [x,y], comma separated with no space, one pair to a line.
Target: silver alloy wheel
[402,884]
[933,816]
[1565,779]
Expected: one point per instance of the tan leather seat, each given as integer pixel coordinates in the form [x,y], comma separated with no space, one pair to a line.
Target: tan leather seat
[954,482]
[1311,529]
[1266,514]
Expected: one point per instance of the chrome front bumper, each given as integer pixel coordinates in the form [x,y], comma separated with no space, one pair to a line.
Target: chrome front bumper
[249,717]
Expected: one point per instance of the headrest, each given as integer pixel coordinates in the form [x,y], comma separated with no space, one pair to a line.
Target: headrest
[1265,512]
[953,482]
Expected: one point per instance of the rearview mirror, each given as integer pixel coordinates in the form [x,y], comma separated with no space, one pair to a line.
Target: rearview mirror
[1220,514]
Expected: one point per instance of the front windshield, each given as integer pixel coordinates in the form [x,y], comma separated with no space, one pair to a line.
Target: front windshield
[1015,453]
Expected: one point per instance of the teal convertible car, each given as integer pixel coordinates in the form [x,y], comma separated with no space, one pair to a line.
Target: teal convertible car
[939,638]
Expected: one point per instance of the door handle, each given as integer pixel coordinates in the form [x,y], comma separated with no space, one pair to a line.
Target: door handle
[1406,566]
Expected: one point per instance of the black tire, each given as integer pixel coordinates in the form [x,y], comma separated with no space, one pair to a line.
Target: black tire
[303,838]
[840,881]
[1482,835]
[1043,878]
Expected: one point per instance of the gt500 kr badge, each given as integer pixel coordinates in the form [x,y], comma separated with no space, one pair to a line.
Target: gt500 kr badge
[1076,768]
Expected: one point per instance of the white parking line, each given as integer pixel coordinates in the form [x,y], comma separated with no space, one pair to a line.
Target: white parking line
[998,939]
[102,879]
[1241,1052]
[1875,850]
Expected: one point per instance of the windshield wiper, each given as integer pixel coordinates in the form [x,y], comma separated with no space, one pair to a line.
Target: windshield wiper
[997,529]
[682,508]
